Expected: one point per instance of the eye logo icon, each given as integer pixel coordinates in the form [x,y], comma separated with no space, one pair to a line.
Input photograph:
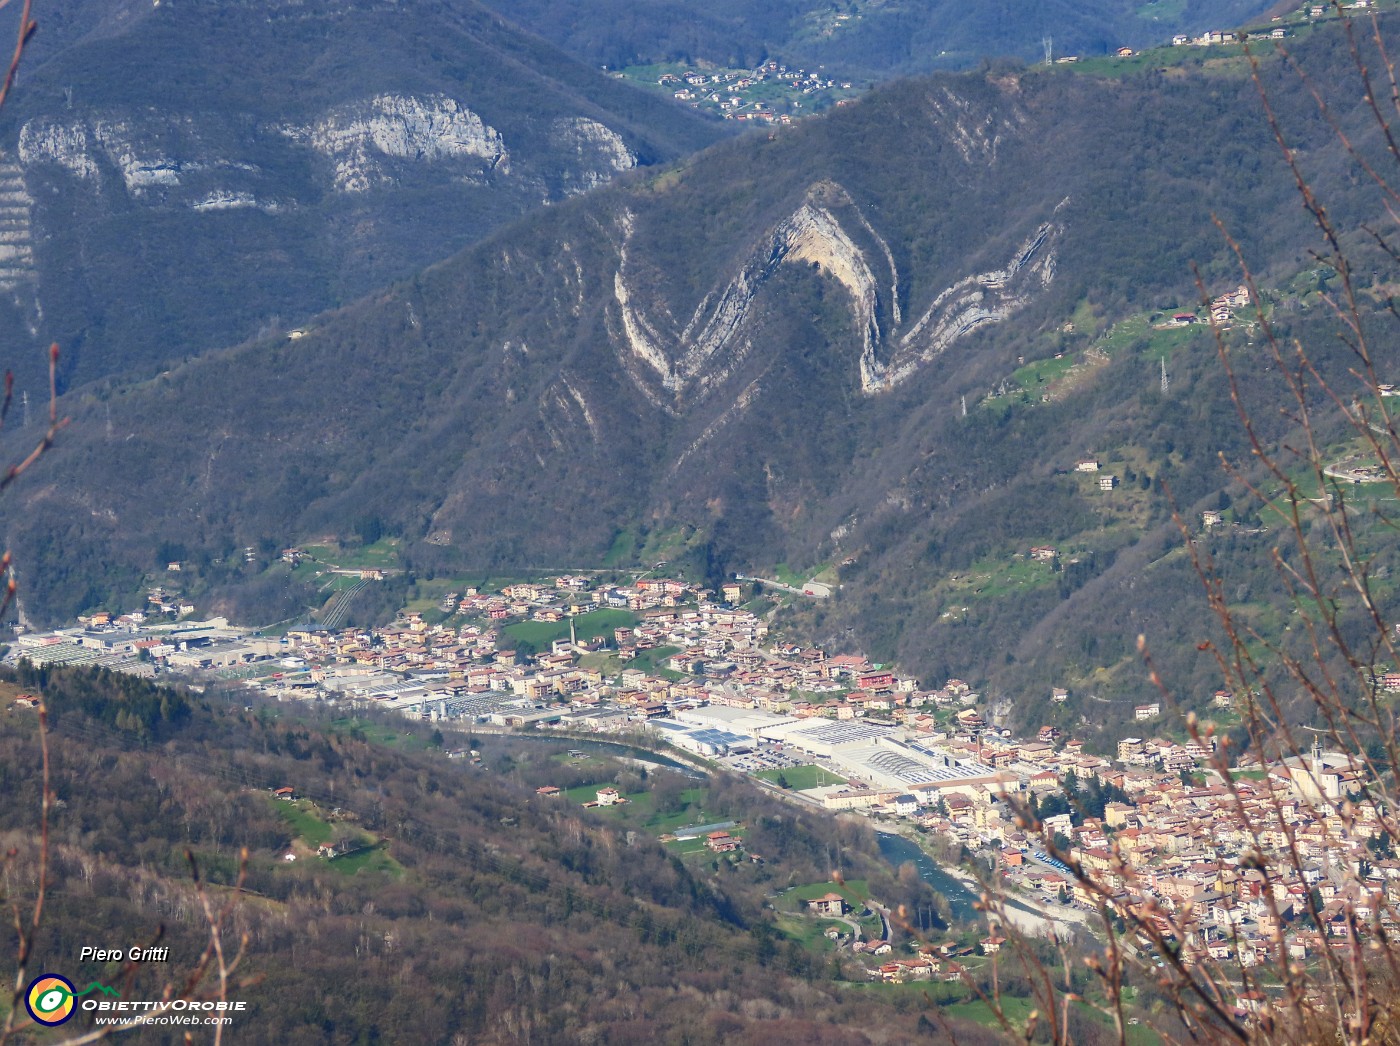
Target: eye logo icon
[50,999]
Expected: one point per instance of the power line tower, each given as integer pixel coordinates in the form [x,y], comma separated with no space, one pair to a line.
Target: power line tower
[24,406]
[1166,381]
[1048,42]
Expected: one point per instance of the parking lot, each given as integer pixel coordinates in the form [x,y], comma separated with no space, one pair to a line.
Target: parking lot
[764,757]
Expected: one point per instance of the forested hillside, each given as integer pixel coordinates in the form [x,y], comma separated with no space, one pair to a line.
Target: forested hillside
[878,344]
[478,912]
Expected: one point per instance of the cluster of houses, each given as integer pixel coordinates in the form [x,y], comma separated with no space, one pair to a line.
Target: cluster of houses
[745,95]
[1308,13]
[1216,37]
[929,961]
[1172,852]
[1222,308]
[715,654]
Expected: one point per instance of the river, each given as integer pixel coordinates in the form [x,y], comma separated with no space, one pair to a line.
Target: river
[896,850]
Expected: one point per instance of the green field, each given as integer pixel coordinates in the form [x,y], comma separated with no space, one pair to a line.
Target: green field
[308,827]
[691,847]
[691,815]
[1218,59]
[647,661]
[313,831]
[588,626]
[800,778]
[588,793]
[1014,1009]
[640,812]
[784,573]
[622,550]
[654,660]
[383,554]
[994,579]
[1043,372]
[1040,377]
[372,859]
[1138,331]
[811,933]
[1249,775]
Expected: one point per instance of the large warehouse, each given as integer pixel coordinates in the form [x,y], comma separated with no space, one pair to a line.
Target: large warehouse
[702,740]
[824,737]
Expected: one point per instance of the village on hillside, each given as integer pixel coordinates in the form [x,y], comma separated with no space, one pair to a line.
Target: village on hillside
[772,93]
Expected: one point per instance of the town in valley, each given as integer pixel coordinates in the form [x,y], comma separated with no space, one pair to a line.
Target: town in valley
[665,664]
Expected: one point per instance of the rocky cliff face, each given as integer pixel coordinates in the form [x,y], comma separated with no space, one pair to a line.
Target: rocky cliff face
[373,143]
[16,248]
[367,141]
[673,367]
[597,152]
[152,157]
[215,161]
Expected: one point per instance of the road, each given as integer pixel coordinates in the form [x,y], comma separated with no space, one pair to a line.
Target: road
[811,589]
[796,798]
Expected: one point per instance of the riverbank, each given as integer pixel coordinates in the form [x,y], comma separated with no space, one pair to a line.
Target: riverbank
[964,893]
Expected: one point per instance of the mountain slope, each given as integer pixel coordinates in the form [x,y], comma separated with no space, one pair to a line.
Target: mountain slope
[875,39]
[481,912]
[770,348]
[192,174]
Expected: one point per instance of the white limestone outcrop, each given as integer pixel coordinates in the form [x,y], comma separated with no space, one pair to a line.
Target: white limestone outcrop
[363,140]
[673,366]
[598,152]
